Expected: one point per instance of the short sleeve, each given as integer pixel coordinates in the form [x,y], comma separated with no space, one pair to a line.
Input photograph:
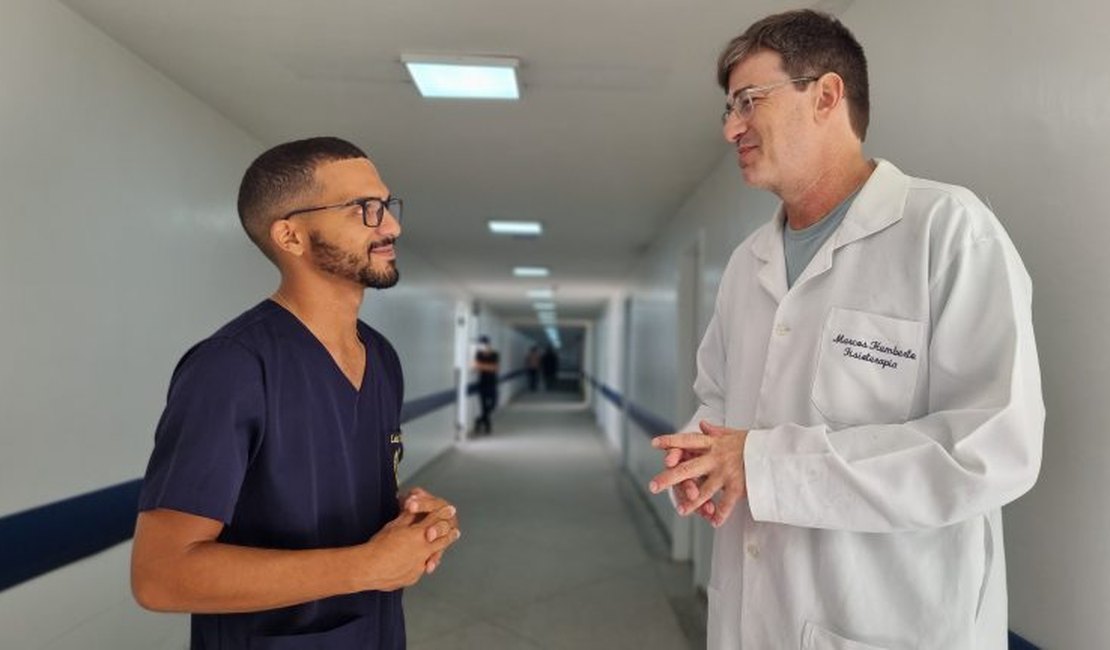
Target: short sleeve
[212,424]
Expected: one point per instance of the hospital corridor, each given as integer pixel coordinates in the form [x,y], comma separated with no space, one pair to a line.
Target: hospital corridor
[586,325]
[560,551]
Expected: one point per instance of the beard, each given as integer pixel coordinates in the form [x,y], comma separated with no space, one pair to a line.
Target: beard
[349,266]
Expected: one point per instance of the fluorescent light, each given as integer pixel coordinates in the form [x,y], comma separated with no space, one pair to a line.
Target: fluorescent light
[464,77]
[540,294]
[531,271]
[545,316]
[515,227]
[543,306]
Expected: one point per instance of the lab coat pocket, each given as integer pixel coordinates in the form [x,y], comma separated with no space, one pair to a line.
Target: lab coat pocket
[815,637]
[867,367]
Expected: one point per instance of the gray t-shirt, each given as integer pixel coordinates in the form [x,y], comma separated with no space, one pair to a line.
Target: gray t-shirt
[801,245]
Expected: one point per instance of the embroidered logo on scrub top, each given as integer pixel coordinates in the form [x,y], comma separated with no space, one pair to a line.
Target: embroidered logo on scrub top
[398,454]
[880,353]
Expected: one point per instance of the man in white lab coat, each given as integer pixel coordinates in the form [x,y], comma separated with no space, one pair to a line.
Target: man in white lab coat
[869,388]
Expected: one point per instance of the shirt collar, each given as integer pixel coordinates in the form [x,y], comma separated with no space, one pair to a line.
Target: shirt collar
[879,204]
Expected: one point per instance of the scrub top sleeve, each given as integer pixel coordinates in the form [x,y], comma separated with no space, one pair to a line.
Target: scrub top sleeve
[212,424]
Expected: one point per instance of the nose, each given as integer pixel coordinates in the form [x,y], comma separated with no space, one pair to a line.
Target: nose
[734,127]
[389,226]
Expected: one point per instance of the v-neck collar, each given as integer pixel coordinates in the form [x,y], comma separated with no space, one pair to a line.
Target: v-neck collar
[324,350]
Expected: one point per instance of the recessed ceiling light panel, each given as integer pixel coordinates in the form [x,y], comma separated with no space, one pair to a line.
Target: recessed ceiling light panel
[464,77]
[518,228]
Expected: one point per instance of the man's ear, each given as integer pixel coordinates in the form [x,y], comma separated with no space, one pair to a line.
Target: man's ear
[830,95]
[286,237]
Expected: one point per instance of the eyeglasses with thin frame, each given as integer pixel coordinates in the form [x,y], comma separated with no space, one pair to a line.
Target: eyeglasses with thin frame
[742,104]
[373,209]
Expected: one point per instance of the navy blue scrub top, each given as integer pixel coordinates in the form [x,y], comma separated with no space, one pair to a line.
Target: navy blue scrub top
[264,432]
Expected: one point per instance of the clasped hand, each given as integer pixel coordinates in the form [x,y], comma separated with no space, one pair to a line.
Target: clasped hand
[424,505]
[699,465]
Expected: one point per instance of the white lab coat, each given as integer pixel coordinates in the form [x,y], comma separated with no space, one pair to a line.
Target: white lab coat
[894,404]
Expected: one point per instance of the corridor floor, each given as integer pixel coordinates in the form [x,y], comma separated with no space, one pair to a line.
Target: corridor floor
[557,553]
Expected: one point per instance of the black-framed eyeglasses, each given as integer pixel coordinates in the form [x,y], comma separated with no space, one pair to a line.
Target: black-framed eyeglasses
[373,209]
[742,104]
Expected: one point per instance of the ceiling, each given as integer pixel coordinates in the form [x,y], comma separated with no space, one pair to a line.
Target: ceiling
[617,122]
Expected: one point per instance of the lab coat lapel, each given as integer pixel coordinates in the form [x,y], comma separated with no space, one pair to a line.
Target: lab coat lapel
[870,213]
[767,248]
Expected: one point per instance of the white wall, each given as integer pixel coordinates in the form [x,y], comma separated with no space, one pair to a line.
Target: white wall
[121,247]
[120,239]
[608,360]
[1011,99]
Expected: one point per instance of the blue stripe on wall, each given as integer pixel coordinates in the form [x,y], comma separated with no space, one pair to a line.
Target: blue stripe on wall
[651,424]
[608,393]
[422,406]
[654,425]
[48,537]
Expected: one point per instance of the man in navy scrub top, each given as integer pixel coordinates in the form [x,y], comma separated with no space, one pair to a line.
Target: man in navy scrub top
[270,507]
[486,362]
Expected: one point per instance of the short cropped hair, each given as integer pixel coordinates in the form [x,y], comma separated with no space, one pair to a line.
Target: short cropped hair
[280,175]
[810,44]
